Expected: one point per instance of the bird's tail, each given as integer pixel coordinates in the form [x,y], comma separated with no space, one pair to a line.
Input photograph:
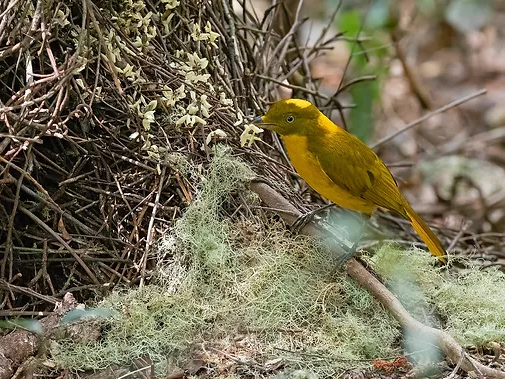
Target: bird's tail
[424,231]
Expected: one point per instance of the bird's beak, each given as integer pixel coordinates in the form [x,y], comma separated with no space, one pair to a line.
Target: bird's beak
[259,121]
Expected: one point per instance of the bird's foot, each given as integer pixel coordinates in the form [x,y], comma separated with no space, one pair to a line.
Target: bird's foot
[351,252]
[348,253]
[304,219]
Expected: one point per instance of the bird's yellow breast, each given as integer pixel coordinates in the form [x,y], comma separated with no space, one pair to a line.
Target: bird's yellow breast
[307,166]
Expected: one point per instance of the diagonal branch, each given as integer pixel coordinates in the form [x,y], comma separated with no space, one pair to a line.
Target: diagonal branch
[427,116]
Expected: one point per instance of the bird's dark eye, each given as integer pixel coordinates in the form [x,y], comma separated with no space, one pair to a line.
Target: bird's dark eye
[290,119]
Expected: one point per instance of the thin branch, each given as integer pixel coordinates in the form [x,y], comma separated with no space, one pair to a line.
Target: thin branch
[427,116]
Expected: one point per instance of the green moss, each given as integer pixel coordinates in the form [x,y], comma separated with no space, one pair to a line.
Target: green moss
[470,302]
[474,306]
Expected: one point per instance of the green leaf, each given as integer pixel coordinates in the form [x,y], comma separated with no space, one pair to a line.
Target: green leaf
[361,122]
[350,23]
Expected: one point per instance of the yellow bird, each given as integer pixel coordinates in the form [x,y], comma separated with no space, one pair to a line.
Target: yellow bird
[339,166]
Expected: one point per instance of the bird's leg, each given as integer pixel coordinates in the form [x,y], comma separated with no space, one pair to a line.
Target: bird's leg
[304,219]
[352,250]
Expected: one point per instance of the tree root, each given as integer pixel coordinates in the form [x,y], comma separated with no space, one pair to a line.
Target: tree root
[452,349]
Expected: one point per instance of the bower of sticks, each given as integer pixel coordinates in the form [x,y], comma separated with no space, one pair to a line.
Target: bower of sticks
[127,157]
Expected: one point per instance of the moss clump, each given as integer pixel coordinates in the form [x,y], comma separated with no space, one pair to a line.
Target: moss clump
[474,306]
[470,302]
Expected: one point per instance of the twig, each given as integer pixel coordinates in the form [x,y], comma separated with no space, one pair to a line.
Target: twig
[280,50]
[458,236]
[456,368]
[110,58]
[348,63]
[412,77]
[364,78]
[27,291]
[314,93]
[56,236]
[150,228]
[427,116]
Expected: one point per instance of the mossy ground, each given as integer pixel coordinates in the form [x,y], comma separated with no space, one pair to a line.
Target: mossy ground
[238,287]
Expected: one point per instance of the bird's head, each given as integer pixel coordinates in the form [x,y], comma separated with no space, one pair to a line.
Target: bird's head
[289,117]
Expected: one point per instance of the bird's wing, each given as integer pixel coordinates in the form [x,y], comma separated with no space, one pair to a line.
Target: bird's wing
[353,166]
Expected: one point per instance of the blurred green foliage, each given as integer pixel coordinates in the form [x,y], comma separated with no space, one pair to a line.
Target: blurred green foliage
[368,58]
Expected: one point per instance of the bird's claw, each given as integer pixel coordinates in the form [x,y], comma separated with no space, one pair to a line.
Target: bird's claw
[304,219]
